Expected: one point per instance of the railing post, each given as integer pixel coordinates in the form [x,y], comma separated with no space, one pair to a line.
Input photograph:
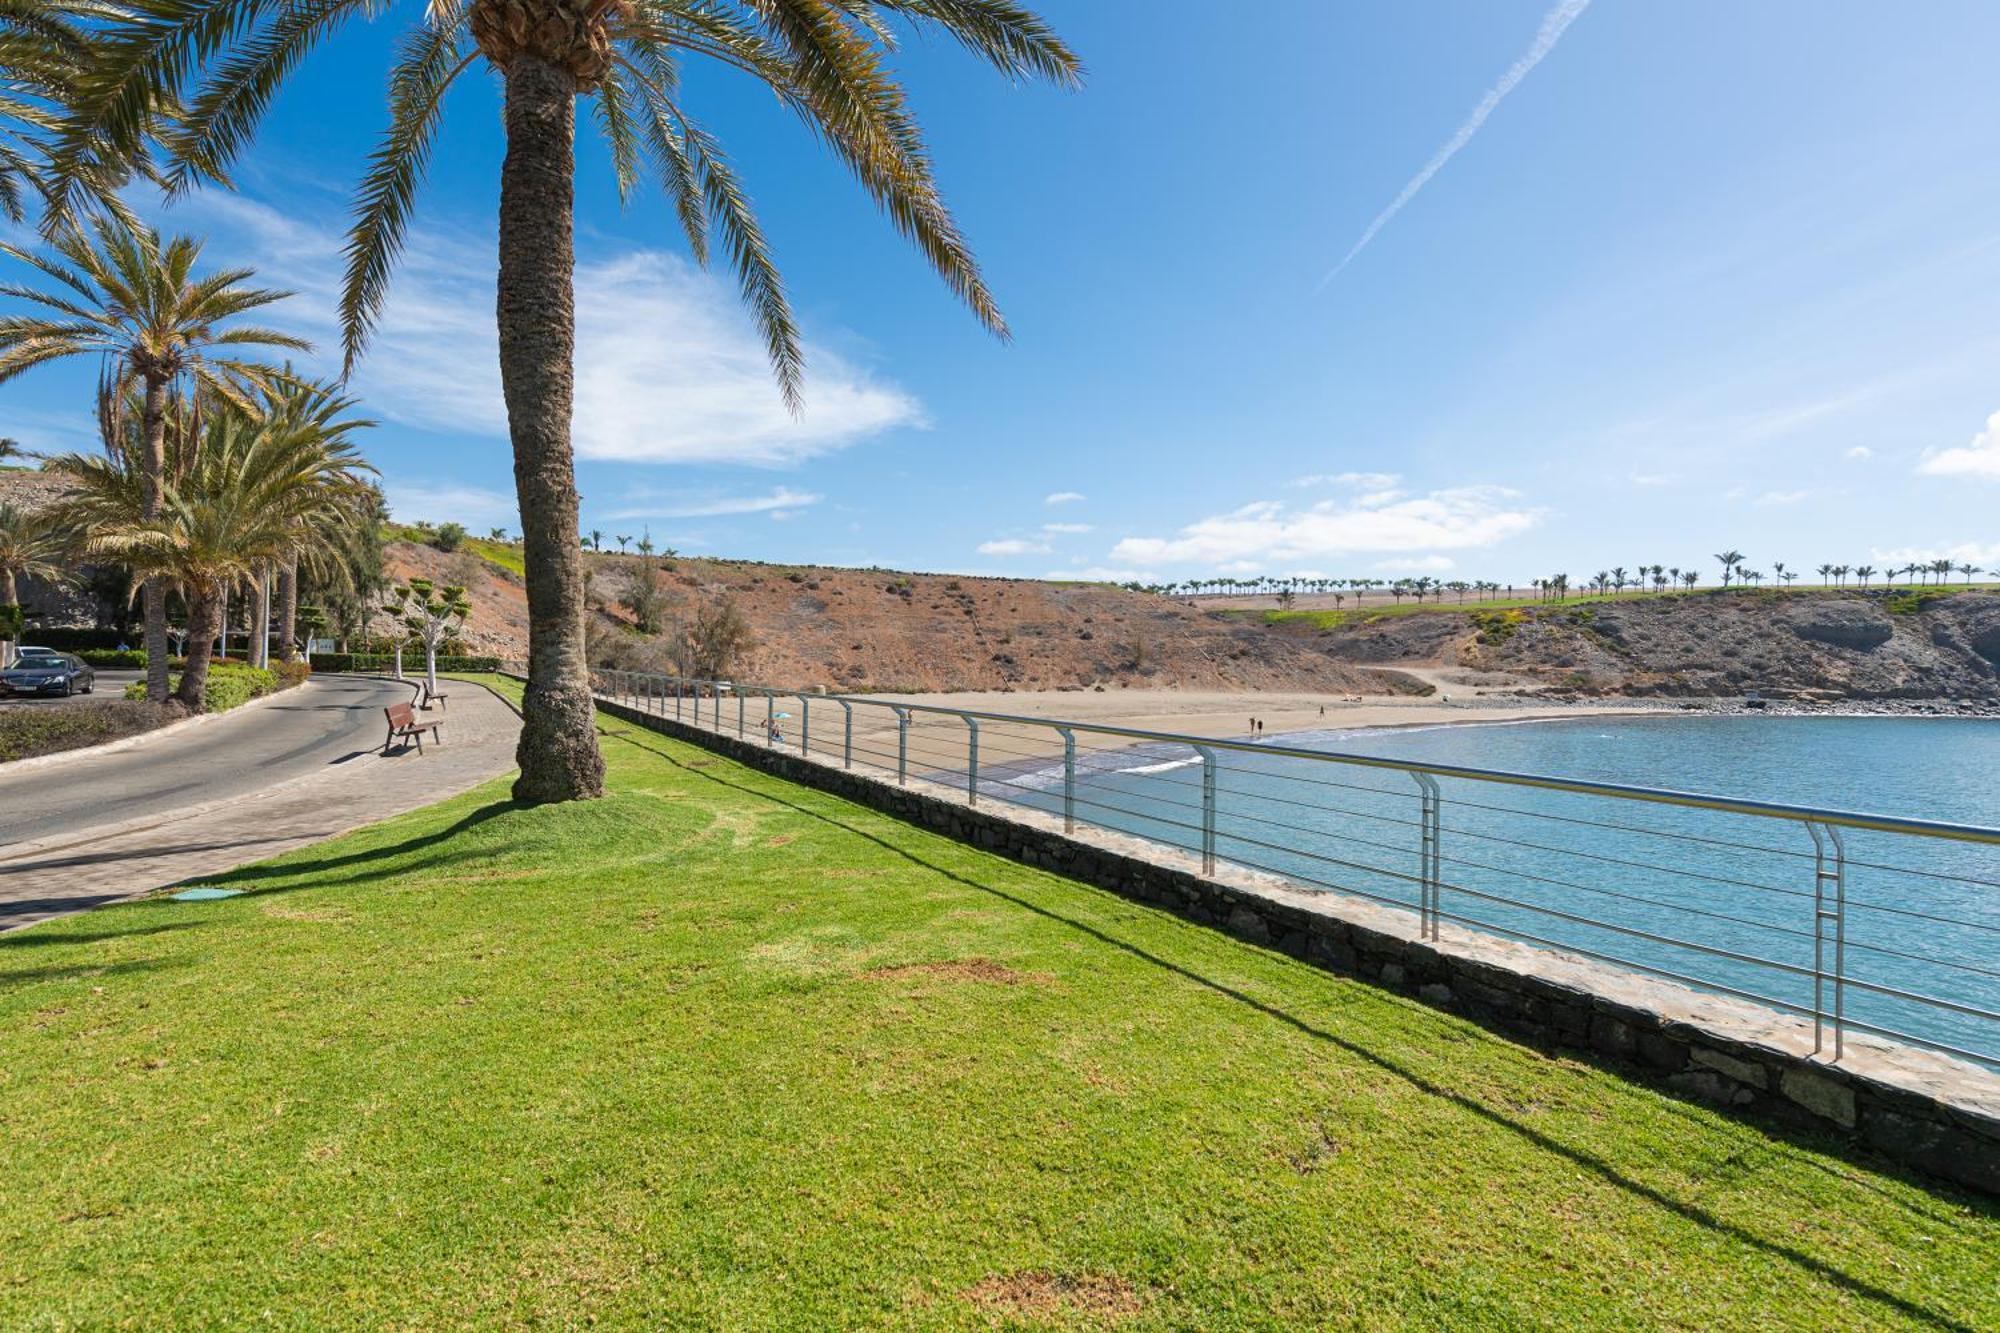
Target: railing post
[1428,859]
[902,745]
[1829,914]
[847,736]
[742,703]
[1207,809]
[770,714]
[805,724]
[680,692]
[1069,779]
[971,760]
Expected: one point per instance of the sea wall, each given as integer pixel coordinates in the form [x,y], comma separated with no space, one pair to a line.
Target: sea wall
[1937,1115]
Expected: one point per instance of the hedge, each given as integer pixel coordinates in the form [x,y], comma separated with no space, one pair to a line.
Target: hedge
[27,732]
[131,659]
[71,640]
[413,662]
[231,684]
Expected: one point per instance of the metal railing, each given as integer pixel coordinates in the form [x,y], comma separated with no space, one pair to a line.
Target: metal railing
[1858,923]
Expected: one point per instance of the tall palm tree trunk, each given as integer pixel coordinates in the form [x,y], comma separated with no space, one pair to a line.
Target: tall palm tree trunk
[558,752]
[9,595]
[153,594]
[205,610]
[260,618]
[288,608]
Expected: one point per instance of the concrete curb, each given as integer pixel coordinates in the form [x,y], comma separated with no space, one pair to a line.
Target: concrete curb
[133,742]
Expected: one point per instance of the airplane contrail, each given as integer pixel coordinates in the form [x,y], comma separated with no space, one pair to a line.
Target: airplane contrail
[1554,24]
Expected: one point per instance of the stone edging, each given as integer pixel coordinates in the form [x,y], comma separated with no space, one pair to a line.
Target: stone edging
[133,742]
[1937,1115]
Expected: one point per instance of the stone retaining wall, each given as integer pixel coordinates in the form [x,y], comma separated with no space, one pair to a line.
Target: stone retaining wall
[1937,1115]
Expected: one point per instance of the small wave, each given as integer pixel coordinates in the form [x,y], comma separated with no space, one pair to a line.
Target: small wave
[1167,767]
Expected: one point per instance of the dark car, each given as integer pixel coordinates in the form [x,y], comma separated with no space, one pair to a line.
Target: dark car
[56,673]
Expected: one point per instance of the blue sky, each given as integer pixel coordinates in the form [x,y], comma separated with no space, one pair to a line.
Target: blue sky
[1704,275]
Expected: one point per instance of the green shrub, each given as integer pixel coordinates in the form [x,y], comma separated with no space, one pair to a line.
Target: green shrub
[27,732]
[230,685]
[413,662]
[449,536]
[115,659]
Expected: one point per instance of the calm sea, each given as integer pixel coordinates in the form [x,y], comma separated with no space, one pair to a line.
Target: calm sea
[1611,877]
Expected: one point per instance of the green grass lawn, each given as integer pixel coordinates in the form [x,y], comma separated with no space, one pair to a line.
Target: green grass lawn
[718,1051]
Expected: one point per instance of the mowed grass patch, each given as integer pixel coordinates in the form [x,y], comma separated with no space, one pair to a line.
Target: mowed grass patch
[717,1051]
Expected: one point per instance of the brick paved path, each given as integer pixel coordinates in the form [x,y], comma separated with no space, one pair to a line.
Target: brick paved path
[74,872]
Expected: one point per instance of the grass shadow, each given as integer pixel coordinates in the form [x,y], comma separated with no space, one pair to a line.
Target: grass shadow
[1582,1158]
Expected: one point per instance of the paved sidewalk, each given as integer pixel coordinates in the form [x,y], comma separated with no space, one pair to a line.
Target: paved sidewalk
[71,873]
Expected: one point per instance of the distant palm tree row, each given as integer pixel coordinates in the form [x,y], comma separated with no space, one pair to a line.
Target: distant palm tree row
[1557,587]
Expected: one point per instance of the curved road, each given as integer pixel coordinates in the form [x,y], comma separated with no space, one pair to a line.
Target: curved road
[332,720]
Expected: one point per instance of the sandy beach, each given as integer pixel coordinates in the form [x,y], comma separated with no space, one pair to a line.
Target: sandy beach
[1217,714]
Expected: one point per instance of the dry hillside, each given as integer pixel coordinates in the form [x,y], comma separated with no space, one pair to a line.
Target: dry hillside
[867,629]
[1845,645]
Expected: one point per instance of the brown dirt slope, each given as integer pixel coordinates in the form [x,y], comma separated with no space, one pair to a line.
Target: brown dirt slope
[1848,645]
[880,630]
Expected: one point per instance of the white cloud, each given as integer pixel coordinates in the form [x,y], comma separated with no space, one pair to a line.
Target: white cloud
[1013,546]
[1450,519]
[1554,24]
[1980,458]
[1653,478]
[1860,451]
[1423,564]
[669,368]
[1099,574]
[1054,529]
[1770,498]
[781,500]
[1367,481]
[443,502]
[1064,498]
[1965,553]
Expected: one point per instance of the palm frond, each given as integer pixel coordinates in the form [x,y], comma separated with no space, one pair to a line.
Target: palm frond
[427,63]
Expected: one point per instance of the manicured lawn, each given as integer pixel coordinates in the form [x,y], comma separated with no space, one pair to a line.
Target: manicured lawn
[720,1052]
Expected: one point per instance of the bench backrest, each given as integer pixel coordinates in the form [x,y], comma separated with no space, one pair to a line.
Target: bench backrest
[400,715]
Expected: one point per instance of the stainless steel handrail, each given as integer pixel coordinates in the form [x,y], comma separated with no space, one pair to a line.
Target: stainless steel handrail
[1830,969]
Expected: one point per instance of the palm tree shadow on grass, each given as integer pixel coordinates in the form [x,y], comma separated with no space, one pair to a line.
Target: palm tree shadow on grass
[250,877]
[1754,1140]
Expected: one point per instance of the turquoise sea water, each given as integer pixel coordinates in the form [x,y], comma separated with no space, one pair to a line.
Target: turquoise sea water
[1618,879]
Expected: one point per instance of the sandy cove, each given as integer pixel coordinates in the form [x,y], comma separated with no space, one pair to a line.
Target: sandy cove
[1217,714]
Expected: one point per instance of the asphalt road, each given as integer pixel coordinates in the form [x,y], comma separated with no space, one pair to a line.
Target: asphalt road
[329,721]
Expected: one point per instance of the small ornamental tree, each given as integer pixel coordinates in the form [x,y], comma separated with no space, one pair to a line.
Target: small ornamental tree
[431,614]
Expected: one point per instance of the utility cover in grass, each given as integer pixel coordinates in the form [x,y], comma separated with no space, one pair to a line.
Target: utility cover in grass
[201,893]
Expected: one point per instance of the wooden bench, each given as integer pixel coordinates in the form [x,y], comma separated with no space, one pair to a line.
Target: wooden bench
[433,696]
[403,725]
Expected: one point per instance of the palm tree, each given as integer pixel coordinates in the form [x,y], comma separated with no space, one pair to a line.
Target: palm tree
[1730,560]
[1864,573]
[137,304]
[307,411]
[31,546]
[239,497]
[224,60]
[45,48]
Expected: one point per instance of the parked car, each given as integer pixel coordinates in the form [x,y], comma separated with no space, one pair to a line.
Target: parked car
[36,652]
[55,673]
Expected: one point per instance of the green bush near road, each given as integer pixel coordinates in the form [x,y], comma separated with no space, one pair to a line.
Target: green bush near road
[718,1051]
[413,662]
[114,659]
[232,684]
[26,732]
